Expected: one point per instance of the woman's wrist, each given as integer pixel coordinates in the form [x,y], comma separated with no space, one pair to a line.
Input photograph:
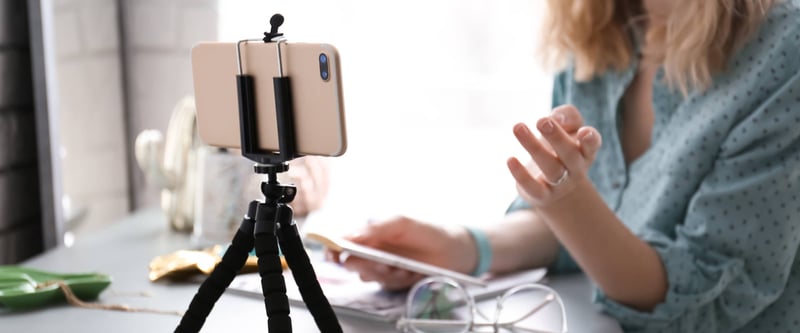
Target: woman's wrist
[482,250]
[461,250]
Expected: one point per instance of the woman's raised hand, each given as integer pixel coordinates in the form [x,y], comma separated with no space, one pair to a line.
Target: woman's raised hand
[562,156]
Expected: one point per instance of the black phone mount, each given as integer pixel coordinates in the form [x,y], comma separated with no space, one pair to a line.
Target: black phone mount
[248,123]
[268,224]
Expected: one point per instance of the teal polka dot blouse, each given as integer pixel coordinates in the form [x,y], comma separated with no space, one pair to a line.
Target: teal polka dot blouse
[717,194]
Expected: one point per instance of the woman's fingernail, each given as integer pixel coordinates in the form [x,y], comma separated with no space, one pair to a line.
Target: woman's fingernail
[560,118]
[383,269]
[588,136]
[522,129]
[546,126]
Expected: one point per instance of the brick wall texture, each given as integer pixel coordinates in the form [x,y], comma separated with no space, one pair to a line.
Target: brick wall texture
[20,219]
[158,37]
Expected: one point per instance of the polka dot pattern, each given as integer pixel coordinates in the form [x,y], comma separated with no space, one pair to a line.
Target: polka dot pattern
[718,192]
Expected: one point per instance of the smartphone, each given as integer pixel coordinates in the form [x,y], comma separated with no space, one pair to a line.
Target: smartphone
[339,244]
[314,73]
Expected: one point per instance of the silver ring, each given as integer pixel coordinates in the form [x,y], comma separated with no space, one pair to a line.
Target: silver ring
[561,179]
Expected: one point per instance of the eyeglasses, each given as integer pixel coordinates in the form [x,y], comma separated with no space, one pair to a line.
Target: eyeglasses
[442,305]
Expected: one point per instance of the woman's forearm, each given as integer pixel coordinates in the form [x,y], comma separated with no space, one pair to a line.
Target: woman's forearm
[522,240]
[626,269]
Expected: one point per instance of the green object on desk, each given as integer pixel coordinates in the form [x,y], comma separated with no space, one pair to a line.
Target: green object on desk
[24,288]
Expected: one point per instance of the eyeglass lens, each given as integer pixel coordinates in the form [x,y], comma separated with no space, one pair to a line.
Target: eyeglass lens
[529,307]
[439,307]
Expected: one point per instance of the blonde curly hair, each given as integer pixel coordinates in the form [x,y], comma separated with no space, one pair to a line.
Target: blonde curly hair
[692,43]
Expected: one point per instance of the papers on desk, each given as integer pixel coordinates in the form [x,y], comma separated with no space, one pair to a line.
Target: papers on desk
[350,296]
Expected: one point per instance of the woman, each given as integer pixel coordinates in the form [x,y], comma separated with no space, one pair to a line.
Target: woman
[669,172]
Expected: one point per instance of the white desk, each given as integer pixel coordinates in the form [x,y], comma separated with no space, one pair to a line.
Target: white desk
[124,249]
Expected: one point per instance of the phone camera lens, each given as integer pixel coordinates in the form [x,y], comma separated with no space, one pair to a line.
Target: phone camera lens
[324,71]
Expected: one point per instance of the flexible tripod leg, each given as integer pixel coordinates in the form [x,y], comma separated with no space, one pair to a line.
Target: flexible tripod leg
[303,272]
[212,288]
[273,285]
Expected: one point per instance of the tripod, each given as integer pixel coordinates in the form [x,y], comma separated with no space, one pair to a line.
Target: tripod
[267,224]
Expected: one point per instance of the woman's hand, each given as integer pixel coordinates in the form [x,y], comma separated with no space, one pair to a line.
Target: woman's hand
[562,156]
[451,248]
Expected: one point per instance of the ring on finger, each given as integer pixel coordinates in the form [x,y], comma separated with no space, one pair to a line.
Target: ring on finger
[561,179]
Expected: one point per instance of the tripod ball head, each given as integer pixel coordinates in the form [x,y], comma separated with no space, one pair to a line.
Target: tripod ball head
[281,193]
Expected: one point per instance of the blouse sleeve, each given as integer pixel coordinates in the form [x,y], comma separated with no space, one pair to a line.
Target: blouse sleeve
[564,262]
[732,255]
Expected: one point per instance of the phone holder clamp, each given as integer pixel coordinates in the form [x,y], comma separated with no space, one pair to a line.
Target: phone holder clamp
[248,122]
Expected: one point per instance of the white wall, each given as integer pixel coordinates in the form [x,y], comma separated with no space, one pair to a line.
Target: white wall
[119,71]
[159,36]
[90,111]
[432,89]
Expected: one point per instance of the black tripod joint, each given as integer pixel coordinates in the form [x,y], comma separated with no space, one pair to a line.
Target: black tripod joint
[273,190]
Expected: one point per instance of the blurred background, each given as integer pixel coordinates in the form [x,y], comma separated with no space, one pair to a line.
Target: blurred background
[431,92]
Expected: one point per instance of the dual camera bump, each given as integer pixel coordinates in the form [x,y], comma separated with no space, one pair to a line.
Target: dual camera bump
[324,67]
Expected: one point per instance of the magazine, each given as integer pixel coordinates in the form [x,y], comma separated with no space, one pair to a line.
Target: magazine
[349,296]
